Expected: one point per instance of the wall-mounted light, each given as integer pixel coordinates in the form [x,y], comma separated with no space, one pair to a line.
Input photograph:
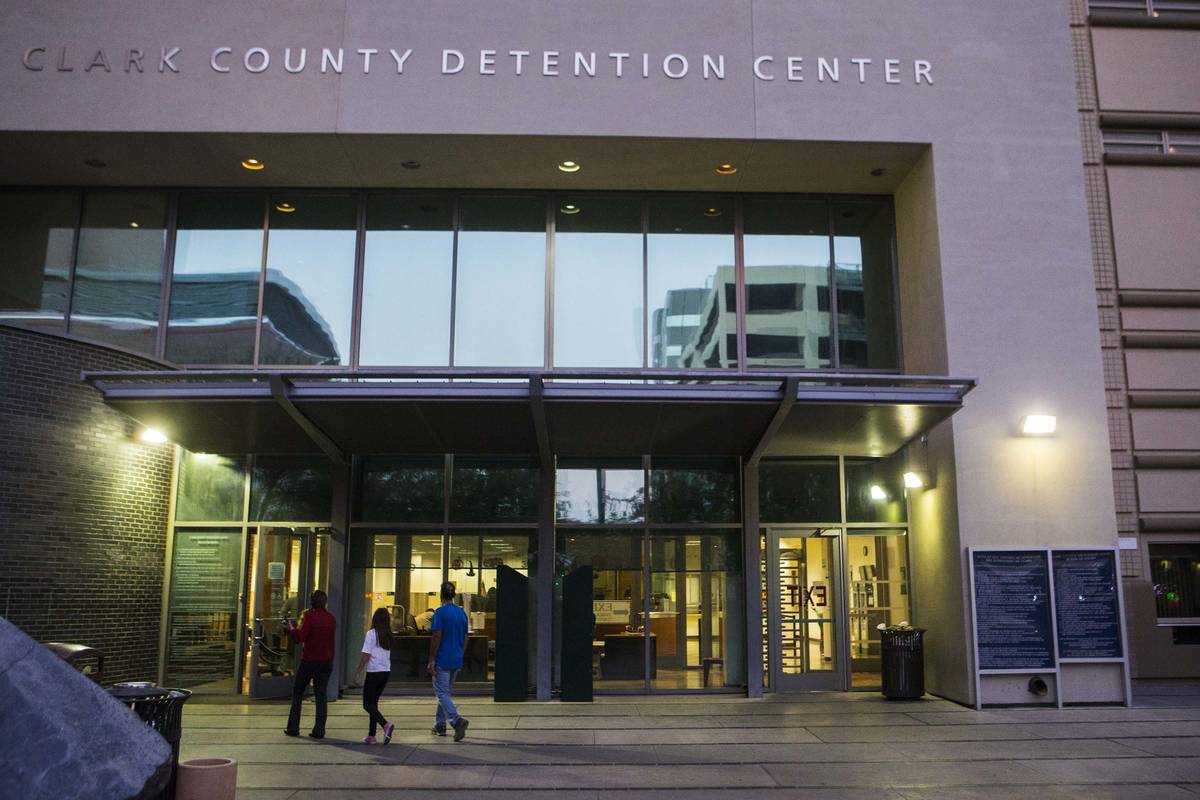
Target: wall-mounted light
[877,493]
[916,479]
[1038,424]
[154,436]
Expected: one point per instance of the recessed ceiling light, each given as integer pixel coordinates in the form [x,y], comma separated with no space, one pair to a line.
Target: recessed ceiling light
[712,212]
[570,208]
[411,164]
[134,225]
[568,166]
[726,169]
[95,162]
[253,164]
[285,208]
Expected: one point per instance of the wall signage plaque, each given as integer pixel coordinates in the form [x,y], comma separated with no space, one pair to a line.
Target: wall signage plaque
[1013,626]
[1086,604]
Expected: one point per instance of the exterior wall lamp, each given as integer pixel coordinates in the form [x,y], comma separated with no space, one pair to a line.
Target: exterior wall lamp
[1038,425]
[154,436]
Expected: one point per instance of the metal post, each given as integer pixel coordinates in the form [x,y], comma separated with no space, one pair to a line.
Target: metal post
[752,580]
[544,581]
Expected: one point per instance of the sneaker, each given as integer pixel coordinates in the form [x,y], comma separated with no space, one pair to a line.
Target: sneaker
[291,733]
[436,731]
[460,729]
[369,740]
[387,732]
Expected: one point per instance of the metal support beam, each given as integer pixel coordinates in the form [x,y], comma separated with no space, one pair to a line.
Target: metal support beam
[751,552]
[543,584]
[279,391]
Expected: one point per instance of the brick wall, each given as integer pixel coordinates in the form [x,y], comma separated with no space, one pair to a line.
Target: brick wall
[83,505]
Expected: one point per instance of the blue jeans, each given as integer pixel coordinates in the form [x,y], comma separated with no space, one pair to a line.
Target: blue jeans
[443,684]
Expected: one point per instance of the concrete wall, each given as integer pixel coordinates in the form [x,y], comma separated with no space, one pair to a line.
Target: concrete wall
[83,505]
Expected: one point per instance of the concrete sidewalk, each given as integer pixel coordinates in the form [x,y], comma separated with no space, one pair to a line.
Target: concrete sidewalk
[681,748]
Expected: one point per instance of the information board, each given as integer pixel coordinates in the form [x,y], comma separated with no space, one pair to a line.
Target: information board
[1013,627]
[1086,604]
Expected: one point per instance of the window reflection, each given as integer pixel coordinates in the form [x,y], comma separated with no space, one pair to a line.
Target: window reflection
[786,246]
[865,295]
[407,270]
[308,296]
[598,282]
[500,299]
[118,275]
[37,234]
[214,291]
[692,282]
[875,490]
[613,493]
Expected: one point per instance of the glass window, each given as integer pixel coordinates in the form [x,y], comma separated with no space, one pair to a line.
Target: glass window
[214,291]
[878,571]
[407,269]
[211,488]
[308,296]
[402,573]
[37,235]
[786,251]
[202,630]
[866,300]
[695,613]
[619,642]
[500,301]
[494,490]
[799,491]
[691,281]
[118,274]
[1175,570]
[614,492]
[693,490]
[402,490]
[295,489]
[598,282]
[875,490]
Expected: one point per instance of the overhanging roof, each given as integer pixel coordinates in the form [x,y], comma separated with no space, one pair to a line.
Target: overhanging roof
[569,413]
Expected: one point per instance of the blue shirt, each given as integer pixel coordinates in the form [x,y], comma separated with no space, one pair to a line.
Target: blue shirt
[451,620]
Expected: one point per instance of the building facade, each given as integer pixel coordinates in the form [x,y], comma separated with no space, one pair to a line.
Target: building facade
[677,292]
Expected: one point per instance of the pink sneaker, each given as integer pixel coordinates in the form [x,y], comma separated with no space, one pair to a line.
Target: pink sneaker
[387,732]
[369,740]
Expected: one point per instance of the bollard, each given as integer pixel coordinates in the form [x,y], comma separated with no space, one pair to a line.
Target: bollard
[207,779]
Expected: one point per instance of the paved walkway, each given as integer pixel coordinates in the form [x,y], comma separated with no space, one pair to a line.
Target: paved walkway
[682,748]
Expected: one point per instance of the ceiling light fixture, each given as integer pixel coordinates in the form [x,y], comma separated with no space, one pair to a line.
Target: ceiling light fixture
[134,225]
[285,208]
[253,164]
[154,436]
[726,169]
[570,208]
[712,212]
[877,172]
[411,164]
[568,166]
[1039,424]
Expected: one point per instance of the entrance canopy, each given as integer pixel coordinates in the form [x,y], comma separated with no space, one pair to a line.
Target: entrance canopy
[596,413]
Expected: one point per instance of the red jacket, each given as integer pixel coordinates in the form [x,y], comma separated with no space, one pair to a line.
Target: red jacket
[316,634]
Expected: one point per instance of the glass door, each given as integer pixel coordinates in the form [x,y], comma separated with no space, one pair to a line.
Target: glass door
[285,565]
[803,569]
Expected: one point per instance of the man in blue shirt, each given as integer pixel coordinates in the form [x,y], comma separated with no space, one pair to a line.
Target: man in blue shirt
[446,651]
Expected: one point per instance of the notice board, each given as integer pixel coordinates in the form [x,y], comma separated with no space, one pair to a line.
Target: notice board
[1086,603]
[1013,625]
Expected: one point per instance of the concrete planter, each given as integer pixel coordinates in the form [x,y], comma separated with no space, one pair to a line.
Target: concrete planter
[207,779]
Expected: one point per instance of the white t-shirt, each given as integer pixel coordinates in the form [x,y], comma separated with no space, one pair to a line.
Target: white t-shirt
[381,660]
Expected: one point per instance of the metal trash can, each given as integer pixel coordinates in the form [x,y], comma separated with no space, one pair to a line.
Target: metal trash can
[902,652]
[77,655]
[161,709]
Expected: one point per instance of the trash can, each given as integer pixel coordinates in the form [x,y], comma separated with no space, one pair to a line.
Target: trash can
[161,709]
[77,655]
[902,652]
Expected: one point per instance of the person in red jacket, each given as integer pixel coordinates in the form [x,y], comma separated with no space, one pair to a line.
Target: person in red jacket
[316,633]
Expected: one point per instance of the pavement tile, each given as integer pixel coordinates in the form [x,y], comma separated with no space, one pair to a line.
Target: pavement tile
[1166,746]
[926,733]
[840,793]
[748,721]
[645,777]
[287,753]
[1113,730]
[425,794]
[452,753]
[986,751]
[901,774]
[568,723]
[774,753]
[706,736]
[1094,792]
[258,776]
[1117,770]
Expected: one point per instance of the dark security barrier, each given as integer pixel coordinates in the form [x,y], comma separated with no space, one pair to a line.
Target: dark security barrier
[903,656]
[512,636]
[161,709]
[578,623]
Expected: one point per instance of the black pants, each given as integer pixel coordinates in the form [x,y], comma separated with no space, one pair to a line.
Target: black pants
[316,672]
[372,691]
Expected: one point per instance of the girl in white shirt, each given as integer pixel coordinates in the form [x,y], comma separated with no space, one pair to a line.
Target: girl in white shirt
[377,661]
